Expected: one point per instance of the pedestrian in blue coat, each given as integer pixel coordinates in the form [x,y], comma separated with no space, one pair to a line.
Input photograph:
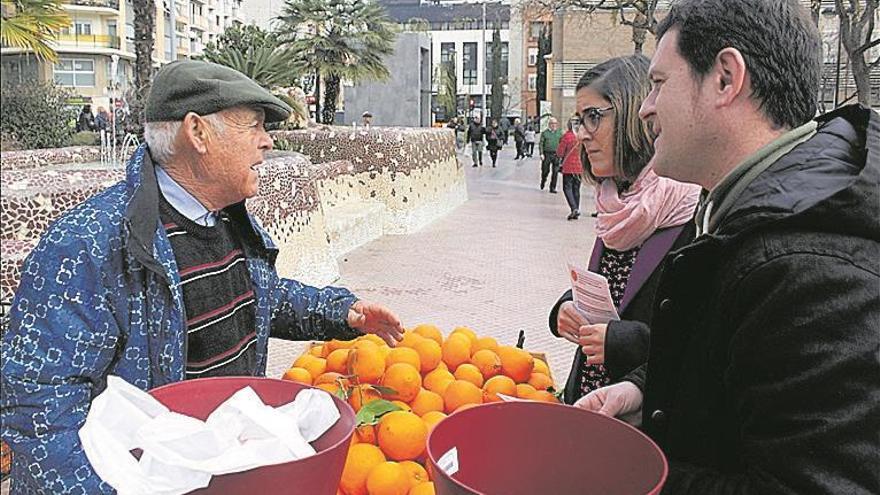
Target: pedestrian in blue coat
[160,278]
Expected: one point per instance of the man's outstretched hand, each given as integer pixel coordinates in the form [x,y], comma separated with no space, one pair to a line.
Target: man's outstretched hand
[375,318]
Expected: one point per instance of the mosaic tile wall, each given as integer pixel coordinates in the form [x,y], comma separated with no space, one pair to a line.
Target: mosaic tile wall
[357,186]
[414,172]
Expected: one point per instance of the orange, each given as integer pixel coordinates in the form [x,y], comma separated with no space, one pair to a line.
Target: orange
[373,338]
[429,331]
[430,354]
[461,392]
[541,367]
[303,360]
[431,418]
[467,332]
[470,373]
[498,384]
[424,488]
[402,405]
[367,362]
[403,355]
[409,339]
[361,459]
[516,363]
[388,478]
[544,396]
[404,379]
[415,472]
[525,391]
[540,381]
[427,401]
[402,435]
[442,366]
[317,351]
[487,362]
[333,388]
[365,434]
[434,379]
[316,367]
[299,375]
[456,350]
[385,351]
[332,345]
[337,361]
[329,377]
[485,343]
[362,394]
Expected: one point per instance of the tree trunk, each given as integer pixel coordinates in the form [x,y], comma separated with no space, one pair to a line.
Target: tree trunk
[317,97]
[145,13]
[497,77]
[545,46]
[639,31]
[331,93]
[856,28]
[862,78]
[815,10]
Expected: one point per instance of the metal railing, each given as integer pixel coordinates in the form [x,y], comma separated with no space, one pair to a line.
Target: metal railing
[110,4]
[90,40]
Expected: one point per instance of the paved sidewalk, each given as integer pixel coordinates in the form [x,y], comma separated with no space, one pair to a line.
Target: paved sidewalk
[496,263]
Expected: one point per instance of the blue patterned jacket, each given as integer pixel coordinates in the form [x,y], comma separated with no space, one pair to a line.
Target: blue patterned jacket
[100,295]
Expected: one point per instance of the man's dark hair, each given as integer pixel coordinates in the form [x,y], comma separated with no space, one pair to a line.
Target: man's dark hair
[780,44]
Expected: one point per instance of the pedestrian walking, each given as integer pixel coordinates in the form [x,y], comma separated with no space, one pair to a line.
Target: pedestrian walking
[569,154]
[86,120]
[547,147]
[530,137]
[477,137]
[519,138]
[493,141]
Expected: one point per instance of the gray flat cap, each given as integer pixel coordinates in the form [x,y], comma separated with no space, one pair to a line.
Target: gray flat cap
[205,88]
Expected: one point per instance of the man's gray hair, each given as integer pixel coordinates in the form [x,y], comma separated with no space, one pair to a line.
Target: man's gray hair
[160,136]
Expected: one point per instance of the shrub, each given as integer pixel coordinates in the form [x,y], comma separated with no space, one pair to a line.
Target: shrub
[36,114]
[85,138]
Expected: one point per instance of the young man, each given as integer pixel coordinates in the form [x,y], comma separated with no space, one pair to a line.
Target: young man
[763,369]
[162,277]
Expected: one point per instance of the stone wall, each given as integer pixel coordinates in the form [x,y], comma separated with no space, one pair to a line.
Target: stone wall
[350,188]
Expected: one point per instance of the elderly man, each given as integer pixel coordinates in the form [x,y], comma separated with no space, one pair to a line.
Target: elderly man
[160,278]
[763,369]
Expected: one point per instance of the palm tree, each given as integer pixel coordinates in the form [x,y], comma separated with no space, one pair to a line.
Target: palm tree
[145,13]
[255,53]
[30,24]
[338,39]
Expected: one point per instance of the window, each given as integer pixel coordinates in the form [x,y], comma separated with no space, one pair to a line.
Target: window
[111,28]
[447,53]
[469,63]
[78,72]
[167,37]
[533,82]
[504,61]
[533,57]
[535,29]
[83,28]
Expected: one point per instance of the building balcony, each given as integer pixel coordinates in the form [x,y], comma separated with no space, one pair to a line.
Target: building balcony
[88,41]
[98,4]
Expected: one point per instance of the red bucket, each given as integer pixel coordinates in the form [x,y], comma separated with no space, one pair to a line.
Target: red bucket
[524,448]
[318,474]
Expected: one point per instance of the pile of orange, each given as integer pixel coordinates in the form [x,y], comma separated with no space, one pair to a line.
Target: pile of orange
[428,377]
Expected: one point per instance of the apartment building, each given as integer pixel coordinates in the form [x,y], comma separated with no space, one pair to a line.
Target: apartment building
[96,52]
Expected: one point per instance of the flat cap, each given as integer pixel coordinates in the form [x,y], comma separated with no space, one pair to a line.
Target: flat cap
[205,88]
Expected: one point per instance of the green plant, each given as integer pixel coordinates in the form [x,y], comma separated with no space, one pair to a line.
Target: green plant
[31,24]
[36,115]
[255,53]
[336,40]
[85,138]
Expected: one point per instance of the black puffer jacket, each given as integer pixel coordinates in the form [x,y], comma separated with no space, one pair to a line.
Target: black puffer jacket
[764,369]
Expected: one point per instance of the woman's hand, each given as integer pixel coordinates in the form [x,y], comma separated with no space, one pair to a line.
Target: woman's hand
[592,342]
[569,321]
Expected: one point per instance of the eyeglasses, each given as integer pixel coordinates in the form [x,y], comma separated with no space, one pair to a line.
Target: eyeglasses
[591,117]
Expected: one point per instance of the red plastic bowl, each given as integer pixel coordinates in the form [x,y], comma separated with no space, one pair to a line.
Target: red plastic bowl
[318,475]
[528,448]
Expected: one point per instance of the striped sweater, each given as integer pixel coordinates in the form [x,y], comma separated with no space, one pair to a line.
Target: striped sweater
[217,293]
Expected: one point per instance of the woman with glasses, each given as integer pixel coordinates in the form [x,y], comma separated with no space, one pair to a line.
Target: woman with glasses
[641,218]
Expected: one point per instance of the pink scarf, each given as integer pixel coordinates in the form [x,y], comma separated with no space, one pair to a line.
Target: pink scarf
[628,219]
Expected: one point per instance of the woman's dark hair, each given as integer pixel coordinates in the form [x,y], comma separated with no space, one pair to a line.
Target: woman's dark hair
[623,81]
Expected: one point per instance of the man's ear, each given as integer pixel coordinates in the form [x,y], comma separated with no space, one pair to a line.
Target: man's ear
[728,76]
[197,132]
